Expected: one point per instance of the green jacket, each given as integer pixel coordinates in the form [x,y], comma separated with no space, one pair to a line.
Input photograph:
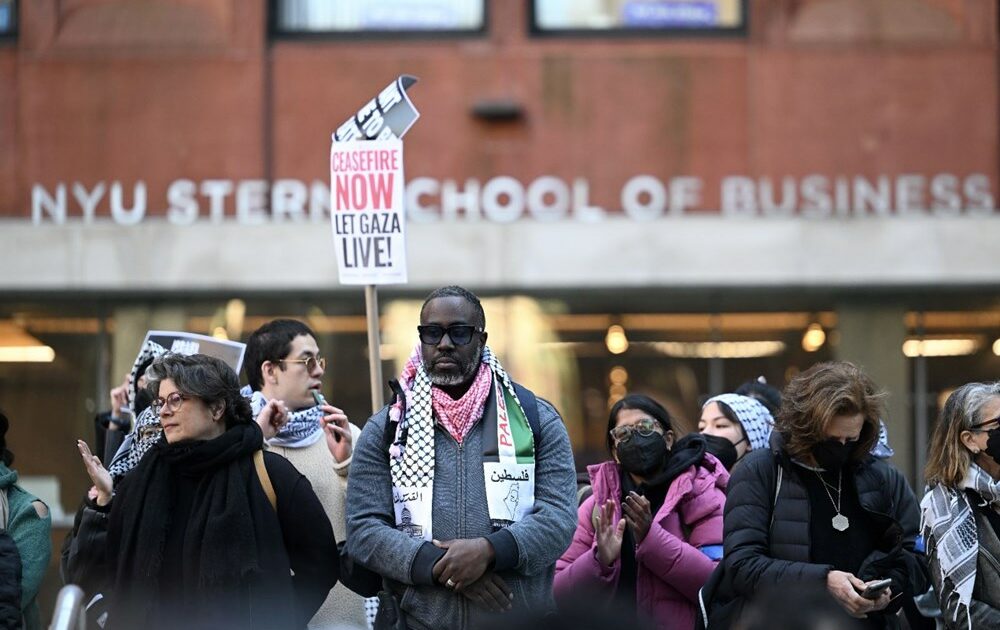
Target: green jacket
[31,534]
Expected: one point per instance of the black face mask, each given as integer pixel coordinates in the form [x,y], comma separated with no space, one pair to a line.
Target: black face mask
[832,455]
[643,455]
[993,444]
[722,448]
[143,399]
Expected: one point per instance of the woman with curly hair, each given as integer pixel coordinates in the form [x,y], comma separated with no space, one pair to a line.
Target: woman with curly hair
[207,531]
[816,507]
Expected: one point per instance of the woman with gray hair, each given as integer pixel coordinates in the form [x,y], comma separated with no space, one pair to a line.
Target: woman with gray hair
[207,531]
[961,511]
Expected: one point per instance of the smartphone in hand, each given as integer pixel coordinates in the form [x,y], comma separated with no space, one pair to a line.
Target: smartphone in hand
[318,397]
[875,588]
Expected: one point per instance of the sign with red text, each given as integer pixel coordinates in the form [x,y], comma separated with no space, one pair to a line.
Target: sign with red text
[367,211]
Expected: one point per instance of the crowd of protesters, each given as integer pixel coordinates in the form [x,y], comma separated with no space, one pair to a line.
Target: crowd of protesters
[456,506]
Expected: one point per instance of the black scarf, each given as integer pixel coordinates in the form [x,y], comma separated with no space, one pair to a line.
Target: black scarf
[687,452]
[220,546]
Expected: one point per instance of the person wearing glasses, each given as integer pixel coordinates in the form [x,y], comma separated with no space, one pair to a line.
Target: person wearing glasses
[462,492]
[655,504]
[816,508]
[961,511]
[284,367]
[208,531]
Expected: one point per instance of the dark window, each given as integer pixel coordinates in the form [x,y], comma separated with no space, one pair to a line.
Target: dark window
[8,18]
[377,17]
[640,17]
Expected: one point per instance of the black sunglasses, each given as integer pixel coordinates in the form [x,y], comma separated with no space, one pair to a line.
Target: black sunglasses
[979,427]
[460,334]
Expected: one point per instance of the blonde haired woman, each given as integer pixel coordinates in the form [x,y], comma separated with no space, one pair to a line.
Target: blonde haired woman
[961,511]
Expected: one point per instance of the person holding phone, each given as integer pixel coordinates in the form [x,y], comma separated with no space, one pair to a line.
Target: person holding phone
[961,510]
[816,507]
[284,367]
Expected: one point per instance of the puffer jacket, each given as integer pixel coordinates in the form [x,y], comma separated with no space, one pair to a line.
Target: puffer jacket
[767,541]
[670,567]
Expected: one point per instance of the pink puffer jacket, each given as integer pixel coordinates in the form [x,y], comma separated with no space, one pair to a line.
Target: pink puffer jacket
[671,568]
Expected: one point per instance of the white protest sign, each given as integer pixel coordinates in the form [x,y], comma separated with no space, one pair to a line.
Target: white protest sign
[388,115]
[192,343]
[367,211]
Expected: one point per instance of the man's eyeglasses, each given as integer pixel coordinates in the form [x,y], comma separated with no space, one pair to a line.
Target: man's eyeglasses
[644,427]
[460,334]
[310,363]
[979,427]
[172,402]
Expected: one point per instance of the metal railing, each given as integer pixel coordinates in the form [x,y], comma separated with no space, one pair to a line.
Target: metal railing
[69,613]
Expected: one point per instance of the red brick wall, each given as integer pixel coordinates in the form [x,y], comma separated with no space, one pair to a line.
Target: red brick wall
[155,91]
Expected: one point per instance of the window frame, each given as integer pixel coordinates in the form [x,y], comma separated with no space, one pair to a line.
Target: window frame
[276,32]
[740,32]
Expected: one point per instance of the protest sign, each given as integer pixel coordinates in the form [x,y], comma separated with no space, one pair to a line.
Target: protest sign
[191,343]
[366,203]
[388,115]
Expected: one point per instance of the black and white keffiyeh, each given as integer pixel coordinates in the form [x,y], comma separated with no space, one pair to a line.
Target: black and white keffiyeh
[756,420]
[303,428]
[147,432]
[508,454]
[948,522]
[149,352]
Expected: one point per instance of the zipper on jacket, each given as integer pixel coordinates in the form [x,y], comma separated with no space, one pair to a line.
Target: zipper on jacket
[461,490]
[461,517]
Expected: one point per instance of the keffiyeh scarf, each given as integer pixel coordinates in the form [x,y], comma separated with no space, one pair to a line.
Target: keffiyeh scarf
[147,432]
[949,526]
[303,429]
[756,420]
[508,451]
[147,353]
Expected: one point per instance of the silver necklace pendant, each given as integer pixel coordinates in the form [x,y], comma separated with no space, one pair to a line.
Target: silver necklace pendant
[840,523]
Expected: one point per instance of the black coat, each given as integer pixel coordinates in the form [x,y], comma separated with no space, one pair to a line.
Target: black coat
[767,539]
[273,599]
